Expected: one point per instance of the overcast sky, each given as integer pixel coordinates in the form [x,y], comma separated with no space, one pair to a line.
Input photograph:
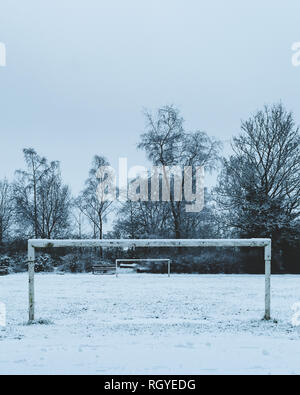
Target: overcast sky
[79,72]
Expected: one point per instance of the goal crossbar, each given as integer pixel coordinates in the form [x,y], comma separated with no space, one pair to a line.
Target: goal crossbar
[34,244]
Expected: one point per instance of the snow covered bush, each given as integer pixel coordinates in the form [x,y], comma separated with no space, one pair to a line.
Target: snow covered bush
[71,263]
[44,263]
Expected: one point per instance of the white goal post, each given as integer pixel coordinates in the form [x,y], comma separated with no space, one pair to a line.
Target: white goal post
[34,244]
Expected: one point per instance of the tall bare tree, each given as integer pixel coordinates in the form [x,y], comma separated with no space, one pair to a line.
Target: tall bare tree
[91,200]
[78,219]
[167,144]
[54,203]
[143,220]
[42,201]
[259,186]
[26,189]
[6,208]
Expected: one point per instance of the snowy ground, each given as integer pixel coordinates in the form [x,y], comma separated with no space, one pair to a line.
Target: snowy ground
[149,324]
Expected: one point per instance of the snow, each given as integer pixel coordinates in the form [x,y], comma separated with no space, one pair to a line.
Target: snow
[149,324]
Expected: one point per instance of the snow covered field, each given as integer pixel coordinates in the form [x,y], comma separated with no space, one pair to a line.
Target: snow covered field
[149,324]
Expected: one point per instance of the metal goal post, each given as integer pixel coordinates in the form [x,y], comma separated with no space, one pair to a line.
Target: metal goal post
[34,244]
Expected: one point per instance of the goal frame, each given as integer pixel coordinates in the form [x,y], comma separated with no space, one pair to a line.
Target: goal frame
[34,244]
[168,260]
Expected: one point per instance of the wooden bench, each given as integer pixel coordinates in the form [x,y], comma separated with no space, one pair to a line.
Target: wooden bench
[3,270]
[103,269]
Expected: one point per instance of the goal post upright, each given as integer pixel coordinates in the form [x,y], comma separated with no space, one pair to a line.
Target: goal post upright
[31,265]
[267,256]
[265,243]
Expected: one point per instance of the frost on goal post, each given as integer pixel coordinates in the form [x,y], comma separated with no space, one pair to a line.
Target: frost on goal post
[2,314]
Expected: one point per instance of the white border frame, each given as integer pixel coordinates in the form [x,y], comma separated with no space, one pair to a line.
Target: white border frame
[132,243]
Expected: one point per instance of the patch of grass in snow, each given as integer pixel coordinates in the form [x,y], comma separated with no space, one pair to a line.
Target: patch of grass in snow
[271,321]
[40,322]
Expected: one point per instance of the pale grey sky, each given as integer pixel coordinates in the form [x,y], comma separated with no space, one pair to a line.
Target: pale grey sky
[79,72]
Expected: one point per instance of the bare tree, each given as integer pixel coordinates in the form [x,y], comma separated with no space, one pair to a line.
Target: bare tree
[78,219]
[42,201]
[259,186]
[26,189]
[143,220]
[27,184]
[167,144]
[6,208]
[54,203]
[92,202]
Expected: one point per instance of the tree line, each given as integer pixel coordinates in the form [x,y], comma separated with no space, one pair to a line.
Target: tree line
[257,192]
